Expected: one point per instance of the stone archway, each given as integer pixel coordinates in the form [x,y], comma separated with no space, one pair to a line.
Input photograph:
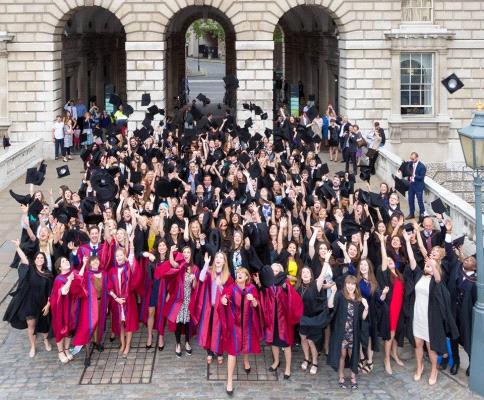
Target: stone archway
[175,68]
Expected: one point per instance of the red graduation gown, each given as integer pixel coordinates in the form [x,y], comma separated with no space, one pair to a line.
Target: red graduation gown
[147,287]
[64,308]
[105,252]
[209,334]
[160,318]
[93,310]
[130,281]
[290,309]
[241,327]
[175,278]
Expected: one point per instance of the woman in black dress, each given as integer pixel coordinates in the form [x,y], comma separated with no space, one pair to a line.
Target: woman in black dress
[349,309]
[29,307]
[315,317]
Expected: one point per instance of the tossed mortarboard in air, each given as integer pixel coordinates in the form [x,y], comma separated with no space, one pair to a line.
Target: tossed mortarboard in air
[35,207]
[22,199]
[350,227]
[63,171]
[255,171]
[93,219]
[459,241]
[115,100]
[165,188]
[401,185]
[136,189]
[375,200]
[76,236]
[113,140]
[243,134]
[268,133]
[31,176]
[246,106]
[452,83]
[264,116]
[406,169]
[258,110]
[127,109]
[324,169]
[244,158]
[145,99]
[142,134]
[248,123]
[204,99]
[87,205]
[439,207]
[61,215]
[104,186]
[365,173]
[153,110]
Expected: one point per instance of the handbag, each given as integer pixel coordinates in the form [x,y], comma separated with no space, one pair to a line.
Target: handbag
[361,142]
[371,153]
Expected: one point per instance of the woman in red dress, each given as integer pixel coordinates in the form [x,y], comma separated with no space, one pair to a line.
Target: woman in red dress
[391,321]
[241,323]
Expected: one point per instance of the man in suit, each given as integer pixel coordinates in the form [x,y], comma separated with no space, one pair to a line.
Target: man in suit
[350,148]
[417,185]
[344,128]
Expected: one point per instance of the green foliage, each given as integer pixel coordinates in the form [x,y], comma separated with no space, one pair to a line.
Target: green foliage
[278,35]
[206,27]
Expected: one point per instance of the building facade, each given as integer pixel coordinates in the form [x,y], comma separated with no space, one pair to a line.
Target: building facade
[373,60]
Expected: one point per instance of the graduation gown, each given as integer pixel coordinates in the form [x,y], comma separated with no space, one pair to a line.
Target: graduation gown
[147,282]
[240,321]
[105,252]
[281,304]
[340,311]
[160,318]
[64,307]
[175,278]
[93,309]
[31,295]
[209,329]
[440,319]
[127,288]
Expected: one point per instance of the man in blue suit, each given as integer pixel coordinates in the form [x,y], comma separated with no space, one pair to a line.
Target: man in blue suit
[417,185]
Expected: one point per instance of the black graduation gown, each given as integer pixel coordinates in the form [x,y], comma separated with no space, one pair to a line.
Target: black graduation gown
[31,295]
[339,314]
[441,320]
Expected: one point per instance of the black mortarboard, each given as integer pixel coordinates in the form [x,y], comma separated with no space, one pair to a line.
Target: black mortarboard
[438,207]
[142,134]
[31,176]
[258,110]
[61,215]
[244,158]
[128,110]
[204,99]
[245,106]
[115,100]
[63,171]
[135,177]
[365,173]
[401,185]
[145,99]
[452,83]
[77,236]
[243,134]
[312,112]
[35,207]
[266,276]
[149,117]
[146,123]
[408,227]
[344,192]
[153,110]
[136,189]
[350,227]
[248,123]
[278,146]
[459,241]
[264,116]
[268,133]
[113,140]
[161,111]
[21,198]
[103,184]
[93,219]
[324,169]
[363,196]
[164,188]
[375,200]
[406,169]
[71,211]
[87,205]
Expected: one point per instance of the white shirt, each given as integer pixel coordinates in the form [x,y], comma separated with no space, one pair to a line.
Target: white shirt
[58,130]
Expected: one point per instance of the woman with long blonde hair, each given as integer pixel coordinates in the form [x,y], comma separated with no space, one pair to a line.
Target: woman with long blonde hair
[214,278]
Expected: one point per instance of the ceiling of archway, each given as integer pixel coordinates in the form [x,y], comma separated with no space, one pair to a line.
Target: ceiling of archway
[307,19]
[186,16]
[93,20]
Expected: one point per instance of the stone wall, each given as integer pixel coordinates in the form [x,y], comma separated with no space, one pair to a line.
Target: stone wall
[370,37]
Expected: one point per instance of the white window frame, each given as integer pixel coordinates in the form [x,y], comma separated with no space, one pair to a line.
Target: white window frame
[432,86]
[418,10]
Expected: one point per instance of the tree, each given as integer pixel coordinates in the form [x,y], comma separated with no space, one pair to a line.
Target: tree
[206,27]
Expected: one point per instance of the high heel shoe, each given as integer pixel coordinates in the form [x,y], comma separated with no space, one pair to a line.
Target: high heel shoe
[274,369]
[287,377]
[247,370]
[418,374]
[230,392]
[432,381]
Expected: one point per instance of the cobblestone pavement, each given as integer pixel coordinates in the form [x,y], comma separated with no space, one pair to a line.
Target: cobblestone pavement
[45,378]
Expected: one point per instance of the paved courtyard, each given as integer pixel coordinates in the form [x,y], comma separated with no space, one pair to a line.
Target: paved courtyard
[187,378]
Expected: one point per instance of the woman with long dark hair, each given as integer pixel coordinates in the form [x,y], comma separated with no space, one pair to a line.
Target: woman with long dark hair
[30,306]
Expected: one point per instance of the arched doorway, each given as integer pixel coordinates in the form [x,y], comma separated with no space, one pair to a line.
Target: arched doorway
[182,42]
[306,59]
[93,57]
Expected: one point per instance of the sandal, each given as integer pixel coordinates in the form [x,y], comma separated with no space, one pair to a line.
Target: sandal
[354,385]
[314,369]
[68,354]
[362,363]
[305,364]
[220,360]
[209,359]
[342,383]
[62,357]
[367,368]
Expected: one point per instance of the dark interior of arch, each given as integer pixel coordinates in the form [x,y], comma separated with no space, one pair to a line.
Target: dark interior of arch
[93,56]
[306,49]
[175,54]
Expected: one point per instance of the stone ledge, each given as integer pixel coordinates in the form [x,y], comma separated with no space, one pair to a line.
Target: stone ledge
[145,46]
[254,45]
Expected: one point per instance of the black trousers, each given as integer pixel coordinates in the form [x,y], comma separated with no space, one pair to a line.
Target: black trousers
[178,332]
[350,157]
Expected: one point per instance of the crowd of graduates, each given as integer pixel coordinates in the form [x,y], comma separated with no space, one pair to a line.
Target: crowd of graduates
[234,238]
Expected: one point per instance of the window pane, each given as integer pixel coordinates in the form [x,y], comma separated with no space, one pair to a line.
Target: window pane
[414,98]
[417,76]
[404,78]
[427,76]
[404,98]
[427,60]
[416,86]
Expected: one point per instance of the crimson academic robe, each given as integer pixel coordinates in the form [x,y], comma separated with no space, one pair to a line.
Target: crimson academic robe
[104,251]
[289,312]
[92,310]
[64,308]
[240,320]
[147,285]
[130,281]
[175,278]
[160,318]
[209,334]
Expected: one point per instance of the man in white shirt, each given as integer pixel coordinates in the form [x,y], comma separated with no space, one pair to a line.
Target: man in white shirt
[58,138]
[70,106]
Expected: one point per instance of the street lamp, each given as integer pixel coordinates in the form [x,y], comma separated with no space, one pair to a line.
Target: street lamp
[472,142]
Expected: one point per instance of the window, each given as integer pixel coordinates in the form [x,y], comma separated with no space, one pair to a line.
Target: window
[417,10]
[416,83]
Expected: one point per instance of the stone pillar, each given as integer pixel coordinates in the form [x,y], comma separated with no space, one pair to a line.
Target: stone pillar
[145,67]
[4,117]
[255,74]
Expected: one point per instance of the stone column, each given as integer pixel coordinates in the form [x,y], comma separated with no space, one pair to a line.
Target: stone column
[255,74]
[4,117]
[145,67]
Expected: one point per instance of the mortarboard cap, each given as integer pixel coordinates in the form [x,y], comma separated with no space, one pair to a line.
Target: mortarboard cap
[244,158]
[35,207]
[128,110]
[258,110]
[459,241]
[264,116]
[452,83]
[401,185]
[25,200]
[63,171]
[350,227]
[153,110]
[115,100]
[31,176]
[104,186]
[365,173]
[248,123]
[136,189]
[408,227]
[93,219]
[142,134]
[324,169]
[255,170]
[245,106]
[204,99]
[438,207]
[145,99]
[375,200]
